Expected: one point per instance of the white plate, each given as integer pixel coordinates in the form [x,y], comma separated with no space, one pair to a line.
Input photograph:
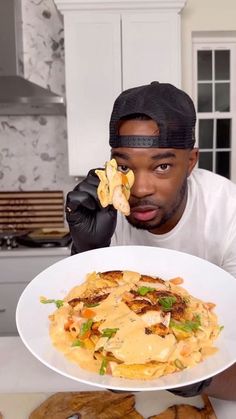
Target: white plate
[201,278]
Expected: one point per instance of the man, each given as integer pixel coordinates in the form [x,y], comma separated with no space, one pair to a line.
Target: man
[173,204]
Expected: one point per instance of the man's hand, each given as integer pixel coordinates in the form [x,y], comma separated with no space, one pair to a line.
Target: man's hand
[91,226]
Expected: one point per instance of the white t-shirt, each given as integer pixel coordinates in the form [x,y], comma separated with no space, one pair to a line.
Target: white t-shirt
[207,228]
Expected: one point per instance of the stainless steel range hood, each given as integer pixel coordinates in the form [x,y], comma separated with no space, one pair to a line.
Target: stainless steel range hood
[19,96]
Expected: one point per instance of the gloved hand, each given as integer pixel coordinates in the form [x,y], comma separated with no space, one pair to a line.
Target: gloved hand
[191,390]
[91,226]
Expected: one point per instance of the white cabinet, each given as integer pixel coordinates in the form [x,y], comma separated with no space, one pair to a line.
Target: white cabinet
[18,268]
[93,80]
[111,46]
[150,48]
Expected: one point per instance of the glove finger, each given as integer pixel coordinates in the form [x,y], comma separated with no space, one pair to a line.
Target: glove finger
[77,199]
[92,178]
[90,189]
[92,174]
[89,184]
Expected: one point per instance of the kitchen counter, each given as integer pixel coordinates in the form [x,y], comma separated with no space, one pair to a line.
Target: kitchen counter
[35,251]
[21,372]
[18,267]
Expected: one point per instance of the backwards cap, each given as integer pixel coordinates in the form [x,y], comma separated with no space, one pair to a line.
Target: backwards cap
[171,108]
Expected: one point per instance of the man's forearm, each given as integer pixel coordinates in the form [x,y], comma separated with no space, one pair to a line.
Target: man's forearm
[223,385]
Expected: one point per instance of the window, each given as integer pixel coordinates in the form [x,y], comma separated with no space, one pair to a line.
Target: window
[215,97]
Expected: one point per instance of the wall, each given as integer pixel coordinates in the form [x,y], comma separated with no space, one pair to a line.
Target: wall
[203,15]
[33,149]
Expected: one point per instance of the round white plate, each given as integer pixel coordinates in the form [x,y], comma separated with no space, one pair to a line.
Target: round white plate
[201,278]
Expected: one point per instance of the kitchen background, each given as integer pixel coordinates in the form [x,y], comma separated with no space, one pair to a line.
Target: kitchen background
[33,149]
[47,153]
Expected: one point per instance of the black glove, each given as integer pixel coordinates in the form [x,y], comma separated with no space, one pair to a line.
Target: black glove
[91,226]
[191,390]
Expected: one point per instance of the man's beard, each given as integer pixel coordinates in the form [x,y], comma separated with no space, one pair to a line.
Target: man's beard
[151,225]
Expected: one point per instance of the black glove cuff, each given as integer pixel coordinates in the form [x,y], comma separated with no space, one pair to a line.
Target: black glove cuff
[191,390]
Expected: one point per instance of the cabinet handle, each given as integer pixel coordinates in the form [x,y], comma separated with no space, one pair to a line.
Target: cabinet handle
[2,310]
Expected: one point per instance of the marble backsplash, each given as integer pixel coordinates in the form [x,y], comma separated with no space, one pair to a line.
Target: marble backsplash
[33,149]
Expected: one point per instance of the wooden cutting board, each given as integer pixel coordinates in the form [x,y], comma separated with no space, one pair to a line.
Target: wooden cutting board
[19,406]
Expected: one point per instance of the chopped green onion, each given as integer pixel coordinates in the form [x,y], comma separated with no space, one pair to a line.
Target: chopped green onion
[108,333]
[188,325]
[221,328]
[78,343]
[103,367]
[179,364]
[167,302]
[145,290]
[91,305]
[86,326]
[59,303]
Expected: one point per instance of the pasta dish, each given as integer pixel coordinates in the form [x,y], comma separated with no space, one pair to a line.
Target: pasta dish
[133,325]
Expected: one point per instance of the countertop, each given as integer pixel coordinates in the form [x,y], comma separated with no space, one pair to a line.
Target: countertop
[35,251]
[21,372]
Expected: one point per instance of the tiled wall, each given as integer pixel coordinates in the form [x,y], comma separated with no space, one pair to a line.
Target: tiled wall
[33,149]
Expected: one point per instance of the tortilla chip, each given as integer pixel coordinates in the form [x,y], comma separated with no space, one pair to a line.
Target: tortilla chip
[114,187]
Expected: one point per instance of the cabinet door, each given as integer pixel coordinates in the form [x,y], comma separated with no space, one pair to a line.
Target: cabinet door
[151,48]
[9,296]
[93,80]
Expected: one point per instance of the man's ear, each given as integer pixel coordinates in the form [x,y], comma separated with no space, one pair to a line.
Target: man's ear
[193,159]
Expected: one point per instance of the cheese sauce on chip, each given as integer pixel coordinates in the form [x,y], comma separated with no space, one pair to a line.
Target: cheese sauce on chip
[133,325]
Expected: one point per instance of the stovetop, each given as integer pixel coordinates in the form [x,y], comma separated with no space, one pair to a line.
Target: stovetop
[43,238]
[26,251]
[8,243]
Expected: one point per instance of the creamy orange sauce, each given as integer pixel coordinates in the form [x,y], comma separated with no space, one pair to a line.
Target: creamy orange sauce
[130,344]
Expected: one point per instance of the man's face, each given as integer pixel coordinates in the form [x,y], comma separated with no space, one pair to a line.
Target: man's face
[159,194]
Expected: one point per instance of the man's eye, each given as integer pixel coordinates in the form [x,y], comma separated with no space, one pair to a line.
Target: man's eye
[122,168]
[163,167]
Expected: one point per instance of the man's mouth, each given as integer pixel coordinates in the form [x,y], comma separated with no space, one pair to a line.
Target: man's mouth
[144,213]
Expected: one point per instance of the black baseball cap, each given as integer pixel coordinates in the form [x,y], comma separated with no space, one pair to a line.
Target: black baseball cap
[171,108]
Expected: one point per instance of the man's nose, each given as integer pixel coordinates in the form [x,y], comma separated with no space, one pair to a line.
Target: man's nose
[143,185]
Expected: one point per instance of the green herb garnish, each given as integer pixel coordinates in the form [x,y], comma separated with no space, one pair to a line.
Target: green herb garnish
[179,364]
[109,333]
[78,343]
[86,327]
[188,325]
[59,303]
[103,367]
[91,305]
[167,302]
[145,290]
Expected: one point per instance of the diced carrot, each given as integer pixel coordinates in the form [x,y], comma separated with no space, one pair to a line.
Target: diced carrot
[85,335]
[87,313]
[177,280]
